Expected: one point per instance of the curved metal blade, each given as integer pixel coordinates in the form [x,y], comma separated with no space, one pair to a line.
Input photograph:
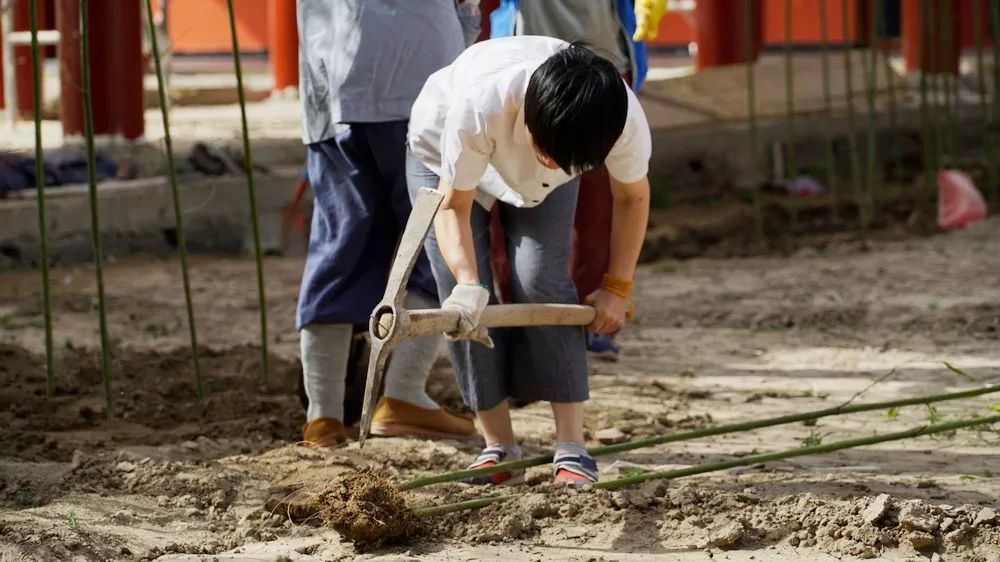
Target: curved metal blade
[417,226]
[376,370]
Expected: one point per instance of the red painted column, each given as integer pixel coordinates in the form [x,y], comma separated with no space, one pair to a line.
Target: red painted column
[918,48]
[283,47]
[116,67]
[22,56]
[719,32]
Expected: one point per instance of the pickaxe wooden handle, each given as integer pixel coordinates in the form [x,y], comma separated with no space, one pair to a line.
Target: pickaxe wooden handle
[391,323]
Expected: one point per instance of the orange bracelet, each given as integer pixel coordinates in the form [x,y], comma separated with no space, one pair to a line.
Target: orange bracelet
[617,286]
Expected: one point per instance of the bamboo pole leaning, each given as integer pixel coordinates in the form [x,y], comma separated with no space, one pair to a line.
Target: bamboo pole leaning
[831,174]
[749,54]
[705,468]
[842,409]
[43,229]
[95,229]
[852,135]
[176,197]
[252,193]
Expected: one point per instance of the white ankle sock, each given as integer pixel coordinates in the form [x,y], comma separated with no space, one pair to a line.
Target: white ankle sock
[411,362]
[325,350]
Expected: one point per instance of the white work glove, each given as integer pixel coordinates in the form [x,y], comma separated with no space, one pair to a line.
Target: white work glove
[470,301]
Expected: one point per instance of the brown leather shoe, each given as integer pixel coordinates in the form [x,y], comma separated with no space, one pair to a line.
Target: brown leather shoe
[324,432]
[396,418]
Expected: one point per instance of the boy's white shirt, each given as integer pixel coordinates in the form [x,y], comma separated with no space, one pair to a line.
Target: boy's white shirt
[467,125]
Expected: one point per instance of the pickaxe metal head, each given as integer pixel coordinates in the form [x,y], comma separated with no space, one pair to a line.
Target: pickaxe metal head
[389,320]
[391,323]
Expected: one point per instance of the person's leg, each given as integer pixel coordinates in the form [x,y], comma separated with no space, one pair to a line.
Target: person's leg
[553,365]
[406,408]
[480,372]
[334,279]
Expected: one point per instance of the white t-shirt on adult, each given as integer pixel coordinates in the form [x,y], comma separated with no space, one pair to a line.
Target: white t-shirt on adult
[467,125]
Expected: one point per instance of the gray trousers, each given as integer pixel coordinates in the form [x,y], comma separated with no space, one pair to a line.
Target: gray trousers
[529,363]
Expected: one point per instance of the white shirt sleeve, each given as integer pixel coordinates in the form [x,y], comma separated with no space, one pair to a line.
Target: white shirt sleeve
[628,160]
[465,146]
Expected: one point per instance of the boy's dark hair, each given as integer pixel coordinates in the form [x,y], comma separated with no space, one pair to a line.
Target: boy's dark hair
[575,108]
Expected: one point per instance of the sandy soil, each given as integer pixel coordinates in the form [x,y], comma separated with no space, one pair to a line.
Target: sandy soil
[715,341]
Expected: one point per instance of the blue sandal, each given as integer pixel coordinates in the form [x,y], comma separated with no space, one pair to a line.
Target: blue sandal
[492,456]
[578,470]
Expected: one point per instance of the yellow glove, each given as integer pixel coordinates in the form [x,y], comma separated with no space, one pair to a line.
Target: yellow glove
[647,18]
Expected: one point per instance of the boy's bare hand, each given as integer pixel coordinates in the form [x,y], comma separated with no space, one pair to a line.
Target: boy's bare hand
[611,311]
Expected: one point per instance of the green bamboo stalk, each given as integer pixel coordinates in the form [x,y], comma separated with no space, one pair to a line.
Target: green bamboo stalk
[935,79]
[748,25]
[175,193]
[43,234]
[852,134]
[791,168]
[462,506]
[872,180]
[926,129]
[890,81]
[984,104]
[88,127]
[831,174]
[995,120]
[842,409]
[251,190]
[949,82]
[800,452]
[735,463]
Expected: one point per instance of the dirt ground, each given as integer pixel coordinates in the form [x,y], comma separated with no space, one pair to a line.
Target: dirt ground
[715,341]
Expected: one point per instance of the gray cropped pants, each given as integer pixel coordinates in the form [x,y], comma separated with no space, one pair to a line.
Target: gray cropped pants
[528,363]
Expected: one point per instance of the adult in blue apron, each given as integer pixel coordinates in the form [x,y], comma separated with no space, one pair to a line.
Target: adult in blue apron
[362,64]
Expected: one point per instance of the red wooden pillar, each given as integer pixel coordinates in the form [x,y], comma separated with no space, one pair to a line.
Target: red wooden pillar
[283,47]
[22,57]
[116,67]
[719,32]
[918,47]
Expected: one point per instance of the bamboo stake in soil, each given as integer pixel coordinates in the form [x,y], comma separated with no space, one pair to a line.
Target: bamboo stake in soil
[831,175]
[872,164]
[989,146]
[95,229]
[749,54]
[175,193]
[926,130]
[890,81]
[852,135]
[948,81]
[252,191]
[842,409]
[791,167]
[995,120]
[735,463]
[43,229]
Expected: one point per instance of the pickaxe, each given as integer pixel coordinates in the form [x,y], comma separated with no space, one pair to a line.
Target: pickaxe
[390,323]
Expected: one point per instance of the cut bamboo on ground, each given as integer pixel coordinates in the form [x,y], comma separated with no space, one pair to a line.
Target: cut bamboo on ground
[846,408]
[735,463]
